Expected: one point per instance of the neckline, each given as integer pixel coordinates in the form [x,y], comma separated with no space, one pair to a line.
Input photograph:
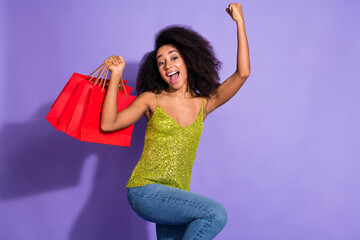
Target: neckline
[158,106]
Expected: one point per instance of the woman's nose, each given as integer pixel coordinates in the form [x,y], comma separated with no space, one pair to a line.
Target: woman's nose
[167,64]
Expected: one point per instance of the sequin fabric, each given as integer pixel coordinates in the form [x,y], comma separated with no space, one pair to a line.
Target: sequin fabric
[169,151]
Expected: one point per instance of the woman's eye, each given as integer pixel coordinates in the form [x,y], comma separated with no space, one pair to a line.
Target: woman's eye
[174,58]
[160,63]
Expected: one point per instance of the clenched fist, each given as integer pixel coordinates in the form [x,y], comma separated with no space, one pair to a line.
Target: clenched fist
[115,64]
[235,12]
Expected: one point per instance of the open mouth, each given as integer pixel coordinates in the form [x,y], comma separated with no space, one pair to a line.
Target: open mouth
[174,76]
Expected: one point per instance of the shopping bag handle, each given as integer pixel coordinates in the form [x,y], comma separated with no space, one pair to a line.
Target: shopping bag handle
[101,74]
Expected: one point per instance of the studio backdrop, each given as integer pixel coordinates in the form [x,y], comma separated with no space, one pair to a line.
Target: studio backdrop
[282,155]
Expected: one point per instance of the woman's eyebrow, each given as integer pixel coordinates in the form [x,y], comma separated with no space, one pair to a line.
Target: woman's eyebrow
[168,53]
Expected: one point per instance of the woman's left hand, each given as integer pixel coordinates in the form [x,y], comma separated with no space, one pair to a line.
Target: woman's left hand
[235,12]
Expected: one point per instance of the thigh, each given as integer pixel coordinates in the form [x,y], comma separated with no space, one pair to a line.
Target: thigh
[168,205]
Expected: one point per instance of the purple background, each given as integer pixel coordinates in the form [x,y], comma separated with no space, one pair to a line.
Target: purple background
[282,156]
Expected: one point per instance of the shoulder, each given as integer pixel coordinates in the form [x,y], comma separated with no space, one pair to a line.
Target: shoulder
[146,95]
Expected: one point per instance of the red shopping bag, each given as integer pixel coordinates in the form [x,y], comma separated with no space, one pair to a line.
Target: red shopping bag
[71,118]
[90,128]
[77,109]
[80,96]
[63,100]
[83,120]
[66,97]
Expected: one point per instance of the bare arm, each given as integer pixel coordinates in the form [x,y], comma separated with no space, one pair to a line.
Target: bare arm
[232,85]
[111,119]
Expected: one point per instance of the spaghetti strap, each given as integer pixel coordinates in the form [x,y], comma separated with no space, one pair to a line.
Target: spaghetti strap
[157,99]
[202,102]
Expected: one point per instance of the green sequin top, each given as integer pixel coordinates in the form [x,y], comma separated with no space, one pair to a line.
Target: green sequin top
[169,151]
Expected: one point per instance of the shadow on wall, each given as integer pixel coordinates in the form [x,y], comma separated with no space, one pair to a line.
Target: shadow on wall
[36,158]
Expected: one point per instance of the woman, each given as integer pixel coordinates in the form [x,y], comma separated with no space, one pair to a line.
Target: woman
[179,87]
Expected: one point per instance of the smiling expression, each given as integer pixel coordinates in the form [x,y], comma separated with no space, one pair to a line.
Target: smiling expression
[171,66]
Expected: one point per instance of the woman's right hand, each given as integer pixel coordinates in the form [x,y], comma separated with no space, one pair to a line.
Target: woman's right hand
[115,64]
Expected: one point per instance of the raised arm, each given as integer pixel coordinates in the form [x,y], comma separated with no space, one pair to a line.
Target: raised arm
[111,119]
[231,85]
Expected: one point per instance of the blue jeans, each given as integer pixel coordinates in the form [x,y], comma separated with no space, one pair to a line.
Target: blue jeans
[178,214]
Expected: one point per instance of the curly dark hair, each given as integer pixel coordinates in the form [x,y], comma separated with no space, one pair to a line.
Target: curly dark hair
[197,52]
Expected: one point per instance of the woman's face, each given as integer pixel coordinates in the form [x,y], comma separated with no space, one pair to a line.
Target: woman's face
[171,66]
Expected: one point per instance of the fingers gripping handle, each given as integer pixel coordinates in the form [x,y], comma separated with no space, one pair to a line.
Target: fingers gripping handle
[101,73]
